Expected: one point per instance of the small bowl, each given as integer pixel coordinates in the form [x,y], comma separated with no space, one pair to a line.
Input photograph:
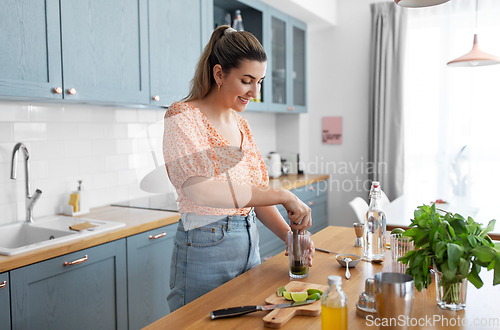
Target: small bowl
[355,259]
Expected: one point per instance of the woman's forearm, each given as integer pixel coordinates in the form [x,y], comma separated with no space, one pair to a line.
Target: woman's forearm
[218,194]
[272,219]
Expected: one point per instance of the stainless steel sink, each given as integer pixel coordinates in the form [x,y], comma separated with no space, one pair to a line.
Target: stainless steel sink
[23,236]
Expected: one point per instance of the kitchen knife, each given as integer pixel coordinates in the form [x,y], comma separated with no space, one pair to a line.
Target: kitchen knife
[235,311]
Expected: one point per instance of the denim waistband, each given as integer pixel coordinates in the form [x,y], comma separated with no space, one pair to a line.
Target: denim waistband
[193,221]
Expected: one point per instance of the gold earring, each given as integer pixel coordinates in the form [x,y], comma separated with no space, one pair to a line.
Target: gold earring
[218,87]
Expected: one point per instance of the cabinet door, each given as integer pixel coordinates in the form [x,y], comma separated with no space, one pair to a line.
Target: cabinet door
[104,50]
[278,61]
[4,301]
[30,63]
[174,47]
[89,294]
[149,257]
[297,85]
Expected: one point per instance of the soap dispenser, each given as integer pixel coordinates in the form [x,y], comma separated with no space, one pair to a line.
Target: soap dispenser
[78,202]
[84,201]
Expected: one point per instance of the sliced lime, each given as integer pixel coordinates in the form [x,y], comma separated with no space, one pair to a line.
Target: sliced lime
[299,296]
[280,291]
[314,296]
[287,295]
[313,291]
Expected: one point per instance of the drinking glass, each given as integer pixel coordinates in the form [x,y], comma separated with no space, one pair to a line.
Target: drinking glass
[298,254]
[400,245]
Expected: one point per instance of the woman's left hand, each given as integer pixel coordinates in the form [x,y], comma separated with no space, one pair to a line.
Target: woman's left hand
[312,250]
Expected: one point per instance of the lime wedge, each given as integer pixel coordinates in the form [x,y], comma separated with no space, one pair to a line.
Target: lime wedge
[313,291]
[299,296]
[287,295]
[314,296]
[280,291]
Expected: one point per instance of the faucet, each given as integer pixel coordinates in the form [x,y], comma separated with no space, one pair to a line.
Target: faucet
[30,200]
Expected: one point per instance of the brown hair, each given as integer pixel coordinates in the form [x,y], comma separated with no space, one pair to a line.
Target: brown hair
[227,48]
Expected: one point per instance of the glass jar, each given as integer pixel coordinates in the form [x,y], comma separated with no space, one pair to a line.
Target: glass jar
[450,294]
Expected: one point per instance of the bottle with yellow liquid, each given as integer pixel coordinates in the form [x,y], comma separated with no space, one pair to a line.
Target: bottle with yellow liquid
[334,306]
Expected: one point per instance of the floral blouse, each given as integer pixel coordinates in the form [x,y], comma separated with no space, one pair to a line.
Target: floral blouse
[192,147]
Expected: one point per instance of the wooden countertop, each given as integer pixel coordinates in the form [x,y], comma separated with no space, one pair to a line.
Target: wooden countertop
[136,221]
[254,286]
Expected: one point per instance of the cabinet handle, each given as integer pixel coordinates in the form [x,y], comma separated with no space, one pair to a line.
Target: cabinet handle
[3,284]
[312,188]
[72,91]
[78,261]
[156,98]
[157,236]
[312,203]
[58,90]
[291,108]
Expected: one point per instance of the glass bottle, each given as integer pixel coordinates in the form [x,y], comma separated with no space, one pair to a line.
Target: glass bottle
[238,21]
[375,226]
[334,306]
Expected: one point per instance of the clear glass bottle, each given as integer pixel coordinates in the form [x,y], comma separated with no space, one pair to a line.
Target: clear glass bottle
[238,21]
[334,306]
[375,226]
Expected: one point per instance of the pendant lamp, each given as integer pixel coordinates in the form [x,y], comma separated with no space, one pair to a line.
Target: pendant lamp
[419,3]
[476,57]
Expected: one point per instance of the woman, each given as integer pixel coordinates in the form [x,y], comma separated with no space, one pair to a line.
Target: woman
[218,172]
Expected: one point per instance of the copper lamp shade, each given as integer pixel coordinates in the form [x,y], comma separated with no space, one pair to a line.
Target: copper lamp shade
[475,57]
[419,3]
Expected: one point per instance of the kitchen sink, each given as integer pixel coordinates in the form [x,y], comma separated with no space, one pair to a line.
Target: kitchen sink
[23,236]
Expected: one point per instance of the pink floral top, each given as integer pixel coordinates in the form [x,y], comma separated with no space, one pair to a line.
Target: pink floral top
[192,147]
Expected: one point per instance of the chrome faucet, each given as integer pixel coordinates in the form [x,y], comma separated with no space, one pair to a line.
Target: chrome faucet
[30,200]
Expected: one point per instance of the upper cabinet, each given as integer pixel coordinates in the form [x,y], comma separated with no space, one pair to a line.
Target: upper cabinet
[284,39]
[30,60]
[138,52]
[288,63]
[174,48]
[104,50]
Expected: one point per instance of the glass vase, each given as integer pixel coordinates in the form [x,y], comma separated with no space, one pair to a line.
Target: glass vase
[450,294]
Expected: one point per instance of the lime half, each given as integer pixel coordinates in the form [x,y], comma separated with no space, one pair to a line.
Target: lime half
[299,296]
[314,296]
[280,291]
[313,291]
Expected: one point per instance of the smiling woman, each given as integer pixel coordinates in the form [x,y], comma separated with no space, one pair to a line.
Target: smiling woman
[219,174]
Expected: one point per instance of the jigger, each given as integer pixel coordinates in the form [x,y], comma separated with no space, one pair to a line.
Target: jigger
[358,229]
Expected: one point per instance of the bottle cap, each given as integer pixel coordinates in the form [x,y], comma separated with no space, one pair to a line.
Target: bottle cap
[334,280]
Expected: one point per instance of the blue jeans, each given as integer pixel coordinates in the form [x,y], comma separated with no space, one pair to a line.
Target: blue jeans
[208,256]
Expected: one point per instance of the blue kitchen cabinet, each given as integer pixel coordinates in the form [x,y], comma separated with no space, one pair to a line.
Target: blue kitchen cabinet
[4,301]
[30,63]
[316,196]
[287,63]
[175,32]
[86,289]
[105,50]
[148,266]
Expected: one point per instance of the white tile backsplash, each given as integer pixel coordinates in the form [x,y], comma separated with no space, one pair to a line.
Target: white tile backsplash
[68,143]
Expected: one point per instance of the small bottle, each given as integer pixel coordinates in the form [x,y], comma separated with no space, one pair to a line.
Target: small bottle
[334,305]
[375,226]
[238,21]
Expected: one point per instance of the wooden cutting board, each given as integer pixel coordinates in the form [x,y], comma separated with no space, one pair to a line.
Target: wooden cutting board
[278,317]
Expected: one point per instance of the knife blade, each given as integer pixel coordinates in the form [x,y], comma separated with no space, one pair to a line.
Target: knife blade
[235,311]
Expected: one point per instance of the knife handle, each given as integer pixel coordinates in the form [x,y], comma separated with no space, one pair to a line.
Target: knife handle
[234,311]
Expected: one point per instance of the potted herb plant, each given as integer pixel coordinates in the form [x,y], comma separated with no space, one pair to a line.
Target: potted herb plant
[456,249]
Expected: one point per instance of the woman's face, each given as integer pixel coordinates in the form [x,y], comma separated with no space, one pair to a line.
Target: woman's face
[242,84]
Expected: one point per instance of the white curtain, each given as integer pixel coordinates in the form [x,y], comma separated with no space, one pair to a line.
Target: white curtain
[385,153]
[452,115]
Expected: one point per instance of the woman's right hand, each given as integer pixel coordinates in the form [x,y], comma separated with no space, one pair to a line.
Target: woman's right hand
[298,212]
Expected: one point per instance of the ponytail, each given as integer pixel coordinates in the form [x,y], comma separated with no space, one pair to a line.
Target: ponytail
[228,48]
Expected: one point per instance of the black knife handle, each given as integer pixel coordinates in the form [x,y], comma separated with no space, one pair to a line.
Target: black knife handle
[234,311]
